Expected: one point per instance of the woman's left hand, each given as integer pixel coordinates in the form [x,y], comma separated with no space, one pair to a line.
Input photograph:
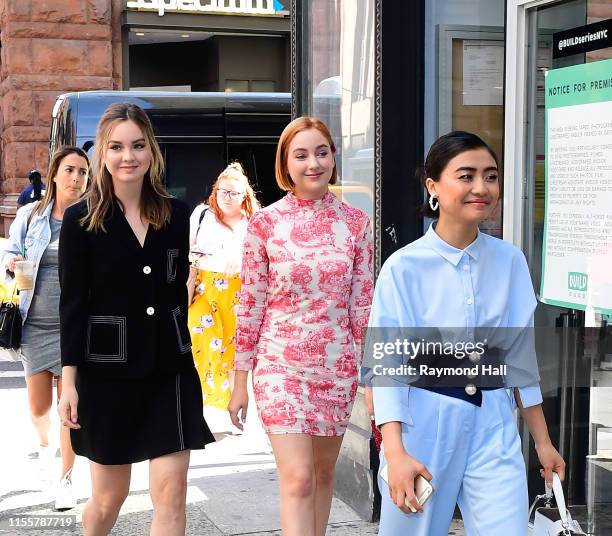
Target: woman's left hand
[551,461]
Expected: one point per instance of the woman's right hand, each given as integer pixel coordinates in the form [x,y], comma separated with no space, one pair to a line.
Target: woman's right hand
[238,404]
[403,469]
[192,283]
[11,264]
[67,407]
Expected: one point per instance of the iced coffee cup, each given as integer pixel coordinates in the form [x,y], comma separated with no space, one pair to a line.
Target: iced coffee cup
[24,275]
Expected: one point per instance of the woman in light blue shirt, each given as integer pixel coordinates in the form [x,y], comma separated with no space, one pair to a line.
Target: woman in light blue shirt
[464,440]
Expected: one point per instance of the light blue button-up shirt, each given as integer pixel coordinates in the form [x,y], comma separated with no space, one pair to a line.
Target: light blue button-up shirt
[430,283]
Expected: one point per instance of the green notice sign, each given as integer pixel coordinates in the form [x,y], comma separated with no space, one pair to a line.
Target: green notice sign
[577,247]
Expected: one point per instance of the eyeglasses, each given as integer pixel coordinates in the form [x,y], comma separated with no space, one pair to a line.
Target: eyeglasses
[231,194]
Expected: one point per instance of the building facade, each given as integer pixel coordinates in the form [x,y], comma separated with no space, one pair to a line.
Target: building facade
[58,46]
[48,48]
[404,73]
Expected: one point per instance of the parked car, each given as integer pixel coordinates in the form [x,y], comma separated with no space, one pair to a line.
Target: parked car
[199,133]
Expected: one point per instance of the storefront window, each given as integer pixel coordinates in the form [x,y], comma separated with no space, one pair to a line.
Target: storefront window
[575,366]
[464,75]
[339,87]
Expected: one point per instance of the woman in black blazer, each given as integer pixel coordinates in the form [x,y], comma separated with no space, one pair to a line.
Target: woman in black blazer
[131,391]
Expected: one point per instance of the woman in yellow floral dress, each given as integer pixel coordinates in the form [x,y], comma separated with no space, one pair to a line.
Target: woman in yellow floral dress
[217,230]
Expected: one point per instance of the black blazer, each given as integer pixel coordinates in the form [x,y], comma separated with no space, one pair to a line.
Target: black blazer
[123,307]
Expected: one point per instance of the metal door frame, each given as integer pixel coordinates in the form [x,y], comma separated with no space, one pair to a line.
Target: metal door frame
[515,116]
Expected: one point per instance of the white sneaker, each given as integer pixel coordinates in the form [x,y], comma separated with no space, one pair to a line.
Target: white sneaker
[64,498]
[46,462]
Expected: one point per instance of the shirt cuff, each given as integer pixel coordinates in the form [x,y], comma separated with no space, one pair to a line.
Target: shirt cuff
[244,362]
[391,405]
[530,395]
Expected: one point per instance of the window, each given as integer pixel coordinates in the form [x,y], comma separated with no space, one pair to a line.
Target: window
[250,85]
[464,73]
[236,85]
[339,89]
[267,86]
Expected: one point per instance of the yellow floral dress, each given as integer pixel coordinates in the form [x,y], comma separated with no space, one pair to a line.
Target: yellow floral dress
[212,324]
[212,316]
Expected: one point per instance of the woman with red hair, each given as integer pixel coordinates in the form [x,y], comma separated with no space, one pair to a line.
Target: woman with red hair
[217,231]
[306,292]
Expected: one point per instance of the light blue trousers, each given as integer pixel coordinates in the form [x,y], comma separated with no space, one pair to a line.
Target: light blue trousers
[474,455]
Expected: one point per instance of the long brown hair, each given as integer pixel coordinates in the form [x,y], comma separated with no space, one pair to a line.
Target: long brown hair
[50,187]
[296,126]
[249,203]
[154,199]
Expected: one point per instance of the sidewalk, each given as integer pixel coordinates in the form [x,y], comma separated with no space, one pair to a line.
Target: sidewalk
[232,484]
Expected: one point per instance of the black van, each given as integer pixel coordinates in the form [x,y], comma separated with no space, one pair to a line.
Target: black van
[199,133]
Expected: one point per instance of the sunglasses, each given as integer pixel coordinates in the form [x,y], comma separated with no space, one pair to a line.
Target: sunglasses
[230,194]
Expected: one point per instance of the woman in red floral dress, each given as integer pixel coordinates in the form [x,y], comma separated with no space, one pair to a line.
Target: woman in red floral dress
[306,293]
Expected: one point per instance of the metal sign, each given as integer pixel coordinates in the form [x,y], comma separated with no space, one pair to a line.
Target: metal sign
[217,7]
[583,39]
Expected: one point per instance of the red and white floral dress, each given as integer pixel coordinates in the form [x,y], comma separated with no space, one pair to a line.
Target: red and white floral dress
[306,293]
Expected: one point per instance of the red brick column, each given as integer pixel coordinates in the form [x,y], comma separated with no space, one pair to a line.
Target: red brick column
[48,48]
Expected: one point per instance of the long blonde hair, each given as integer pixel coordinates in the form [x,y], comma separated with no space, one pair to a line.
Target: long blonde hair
[154,199]
[50,187]
[249,204]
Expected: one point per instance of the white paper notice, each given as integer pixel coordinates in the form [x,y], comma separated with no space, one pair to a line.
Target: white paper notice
[578,250]
[483,73]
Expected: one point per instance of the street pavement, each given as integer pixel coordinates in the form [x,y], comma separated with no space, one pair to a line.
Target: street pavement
[232,484]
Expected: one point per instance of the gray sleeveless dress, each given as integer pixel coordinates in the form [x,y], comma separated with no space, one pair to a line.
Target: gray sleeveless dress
[40,339]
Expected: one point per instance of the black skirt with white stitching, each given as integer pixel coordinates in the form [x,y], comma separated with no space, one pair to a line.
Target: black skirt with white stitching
[131,420]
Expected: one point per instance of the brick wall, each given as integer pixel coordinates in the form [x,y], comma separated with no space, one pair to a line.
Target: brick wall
[49,47]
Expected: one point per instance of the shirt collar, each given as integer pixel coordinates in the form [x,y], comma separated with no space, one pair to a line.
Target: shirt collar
[48,209]
[46,214]
[451,253]
[297,202]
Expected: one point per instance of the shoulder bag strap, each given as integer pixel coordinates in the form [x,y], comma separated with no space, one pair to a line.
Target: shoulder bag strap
[202,214]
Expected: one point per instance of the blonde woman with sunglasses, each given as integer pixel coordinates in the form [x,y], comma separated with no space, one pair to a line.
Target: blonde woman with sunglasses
[217,231]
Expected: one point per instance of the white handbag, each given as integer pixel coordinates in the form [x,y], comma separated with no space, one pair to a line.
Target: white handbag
[550,521]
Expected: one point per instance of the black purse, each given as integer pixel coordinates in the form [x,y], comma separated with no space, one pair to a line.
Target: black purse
[10,318]
[10,325]
[11,321]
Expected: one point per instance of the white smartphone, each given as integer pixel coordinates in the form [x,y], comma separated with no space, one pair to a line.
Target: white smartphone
[422,487]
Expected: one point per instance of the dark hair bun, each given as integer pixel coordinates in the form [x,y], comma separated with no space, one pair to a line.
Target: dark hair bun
[442,151]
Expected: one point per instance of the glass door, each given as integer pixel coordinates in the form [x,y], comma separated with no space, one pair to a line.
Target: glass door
[574,349]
